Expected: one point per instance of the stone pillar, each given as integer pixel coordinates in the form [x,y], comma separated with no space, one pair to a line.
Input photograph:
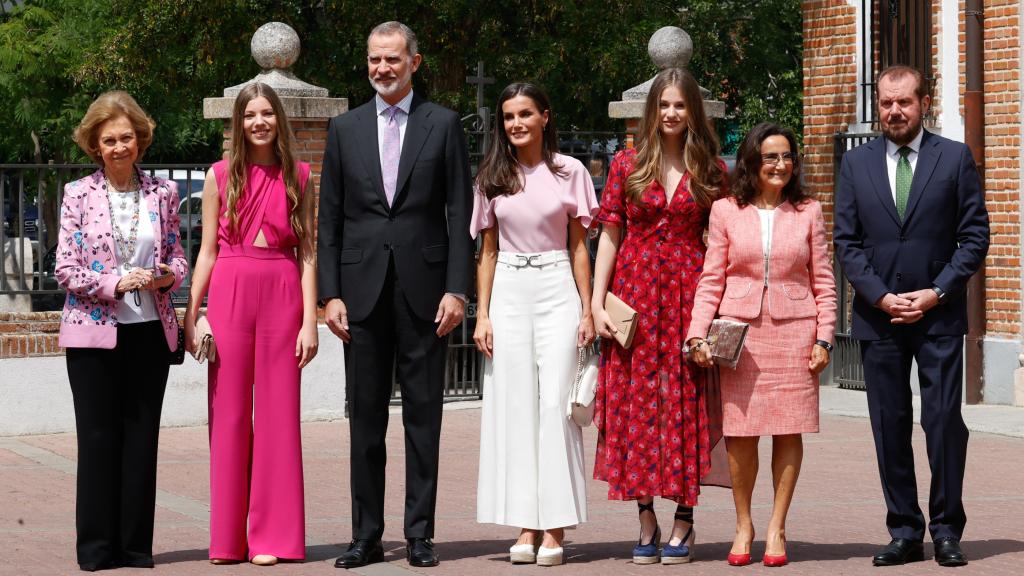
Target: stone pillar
[275,47]
[669,47]
[17,274]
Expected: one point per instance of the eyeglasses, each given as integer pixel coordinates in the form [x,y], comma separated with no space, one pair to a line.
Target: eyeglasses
[776,157]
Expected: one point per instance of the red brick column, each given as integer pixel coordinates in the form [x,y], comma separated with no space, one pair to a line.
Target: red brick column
[830,91]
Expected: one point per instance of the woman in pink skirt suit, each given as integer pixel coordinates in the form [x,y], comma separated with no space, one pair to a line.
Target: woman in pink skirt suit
[767,264]
[259,268]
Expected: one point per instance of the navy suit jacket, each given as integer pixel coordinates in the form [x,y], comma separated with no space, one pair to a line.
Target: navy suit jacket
[425,231]
[941,241]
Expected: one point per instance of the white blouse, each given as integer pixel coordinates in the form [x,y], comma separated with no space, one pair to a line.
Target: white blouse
[128,312]
[767,218]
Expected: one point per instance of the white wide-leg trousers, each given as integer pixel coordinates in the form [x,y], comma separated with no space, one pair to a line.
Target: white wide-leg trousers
[531,454]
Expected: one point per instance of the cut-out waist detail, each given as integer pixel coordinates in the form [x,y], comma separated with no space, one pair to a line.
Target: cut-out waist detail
[263,253]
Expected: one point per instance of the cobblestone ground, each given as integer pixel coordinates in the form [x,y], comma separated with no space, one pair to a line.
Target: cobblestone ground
[836,522]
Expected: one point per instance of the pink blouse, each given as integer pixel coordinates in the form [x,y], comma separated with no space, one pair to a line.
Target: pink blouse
[263,206]
[536,219]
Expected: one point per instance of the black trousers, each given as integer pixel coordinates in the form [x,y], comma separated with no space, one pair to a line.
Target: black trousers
[887,365]
[118,396]
[393,337]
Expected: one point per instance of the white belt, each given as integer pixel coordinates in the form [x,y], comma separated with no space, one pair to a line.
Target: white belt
[536,260]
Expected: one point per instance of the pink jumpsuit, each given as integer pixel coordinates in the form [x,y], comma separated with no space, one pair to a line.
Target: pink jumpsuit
[255,313]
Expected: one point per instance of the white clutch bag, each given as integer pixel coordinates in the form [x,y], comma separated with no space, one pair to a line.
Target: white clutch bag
[584,388]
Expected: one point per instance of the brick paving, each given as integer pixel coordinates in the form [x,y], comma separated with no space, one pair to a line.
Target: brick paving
[835,525]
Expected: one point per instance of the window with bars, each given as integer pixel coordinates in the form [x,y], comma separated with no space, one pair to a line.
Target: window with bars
[893,32]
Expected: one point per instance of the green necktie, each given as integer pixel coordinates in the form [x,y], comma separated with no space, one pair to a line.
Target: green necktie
[904,176]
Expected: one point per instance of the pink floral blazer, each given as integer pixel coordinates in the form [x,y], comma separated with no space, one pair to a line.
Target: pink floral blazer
[87,261]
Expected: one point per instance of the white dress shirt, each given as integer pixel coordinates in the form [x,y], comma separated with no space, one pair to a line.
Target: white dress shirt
[892,157]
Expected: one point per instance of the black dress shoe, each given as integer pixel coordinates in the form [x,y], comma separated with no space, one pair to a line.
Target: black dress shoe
[948,552]
[899,551]
[360,553]
[420,552]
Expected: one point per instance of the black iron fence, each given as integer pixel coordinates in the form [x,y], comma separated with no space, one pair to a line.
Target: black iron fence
[32,194]
[847,370]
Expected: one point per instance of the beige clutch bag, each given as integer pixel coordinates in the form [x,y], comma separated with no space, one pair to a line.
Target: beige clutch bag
[207,346]
[623,317]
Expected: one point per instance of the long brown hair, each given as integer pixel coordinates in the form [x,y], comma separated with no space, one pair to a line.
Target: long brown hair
[239,156]
[499,173]
[746,176]
[700,145]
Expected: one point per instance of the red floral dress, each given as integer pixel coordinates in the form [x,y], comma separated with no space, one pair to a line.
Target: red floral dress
[650,413]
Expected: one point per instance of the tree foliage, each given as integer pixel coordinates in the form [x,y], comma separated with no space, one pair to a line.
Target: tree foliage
[56,56]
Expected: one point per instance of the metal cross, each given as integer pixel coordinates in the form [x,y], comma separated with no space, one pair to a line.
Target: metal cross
[480,80]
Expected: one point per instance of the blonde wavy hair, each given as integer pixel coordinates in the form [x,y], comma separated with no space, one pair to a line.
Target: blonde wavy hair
[700,145]
[239,157]
[108,106]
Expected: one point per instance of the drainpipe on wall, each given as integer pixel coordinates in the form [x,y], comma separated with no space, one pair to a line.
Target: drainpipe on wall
[974,131]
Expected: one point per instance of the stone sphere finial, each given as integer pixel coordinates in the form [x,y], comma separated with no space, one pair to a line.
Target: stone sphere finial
[275,45]
[670,47]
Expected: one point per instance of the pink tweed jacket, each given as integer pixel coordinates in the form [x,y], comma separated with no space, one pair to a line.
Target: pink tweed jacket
[87,261]
[800,280]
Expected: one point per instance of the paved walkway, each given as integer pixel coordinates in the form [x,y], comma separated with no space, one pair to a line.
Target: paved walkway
[835,525]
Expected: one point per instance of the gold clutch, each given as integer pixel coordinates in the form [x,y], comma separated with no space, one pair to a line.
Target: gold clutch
[624,318]
[725,337]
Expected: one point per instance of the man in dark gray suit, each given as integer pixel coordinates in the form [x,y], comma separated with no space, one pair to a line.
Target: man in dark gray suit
[910,229]
[395,263]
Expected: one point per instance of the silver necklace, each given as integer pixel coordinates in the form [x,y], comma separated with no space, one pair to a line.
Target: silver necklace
[126,245]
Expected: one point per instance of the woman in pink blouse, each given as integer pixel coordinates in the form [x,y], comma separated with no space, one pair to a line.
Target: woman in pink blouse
[533,314]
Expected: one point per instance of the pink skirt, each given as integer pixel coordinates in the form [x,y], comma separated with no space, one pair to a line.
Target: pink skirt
[772,391]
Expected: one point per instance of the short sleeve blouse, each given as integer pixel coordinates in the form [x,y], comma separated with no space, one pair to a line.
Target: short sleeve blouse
[536,219]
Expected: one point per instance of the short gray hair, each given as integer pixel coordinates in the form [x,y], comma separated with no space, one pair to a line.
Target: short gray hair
[395,27]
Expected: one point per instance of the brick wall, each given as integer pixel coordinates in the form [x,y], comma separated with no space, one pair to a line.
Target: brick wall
[830,89]
[29,334]
[1002,165]
[829,107]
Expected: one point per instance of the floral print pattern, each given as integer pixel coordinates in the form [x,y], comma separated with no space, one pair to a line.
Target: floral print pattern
[87,263]
[650,414]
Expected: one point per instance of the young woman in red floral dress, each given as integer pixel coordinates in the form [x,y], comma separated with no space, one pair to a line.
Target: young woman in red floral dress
[650,414]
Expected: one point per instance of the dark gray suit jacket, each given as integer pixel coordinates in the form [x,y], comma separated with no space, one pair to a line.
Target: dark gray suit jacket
[427,228]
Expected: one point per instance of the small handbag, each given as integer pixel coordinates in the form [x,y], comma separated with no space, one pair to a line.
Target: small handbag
[584,388]
[624,318]
[207,345]
[177,356]
[725,337]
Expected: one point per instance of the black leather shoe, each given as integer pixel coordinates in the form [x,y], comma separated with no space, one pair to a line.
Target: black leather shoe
[899,551]
[948,552]
[360,553]
[420,552]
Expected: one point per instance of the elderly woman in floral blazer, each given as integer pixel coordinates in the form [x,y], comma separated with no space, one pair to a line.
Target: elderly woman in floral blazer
[118,258]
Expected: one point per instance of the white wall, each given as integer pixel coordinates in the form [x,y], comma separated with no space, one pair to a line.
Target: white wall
[37,398]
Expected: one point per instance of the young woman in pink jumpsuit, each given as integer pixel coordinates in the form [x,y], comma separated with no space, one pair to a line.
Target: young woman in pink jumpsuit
[260,271]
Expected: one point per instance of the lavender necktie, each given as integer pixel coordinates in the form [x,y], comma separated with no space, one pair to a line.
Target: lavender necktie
[392,153]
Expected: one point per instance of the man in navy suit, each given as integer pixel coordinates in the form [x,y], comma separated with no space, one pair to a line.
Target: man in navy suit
[395,264]
[910,230]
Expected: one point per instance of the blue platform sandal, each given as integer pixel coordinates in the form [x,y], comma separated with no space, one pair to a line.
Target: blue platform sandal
[683,552]
[647,553]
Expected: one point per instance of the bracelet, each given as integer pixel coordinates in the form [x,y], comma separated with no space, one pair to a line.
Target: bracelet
[826,345]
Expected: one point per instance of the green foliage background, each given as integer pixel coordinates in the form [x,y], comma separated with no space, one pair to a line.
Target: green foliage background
[57,55]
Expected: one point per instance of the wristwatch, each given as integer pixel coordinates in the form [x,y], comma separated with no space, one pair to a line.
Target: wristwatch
[940,293]
[826,345]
